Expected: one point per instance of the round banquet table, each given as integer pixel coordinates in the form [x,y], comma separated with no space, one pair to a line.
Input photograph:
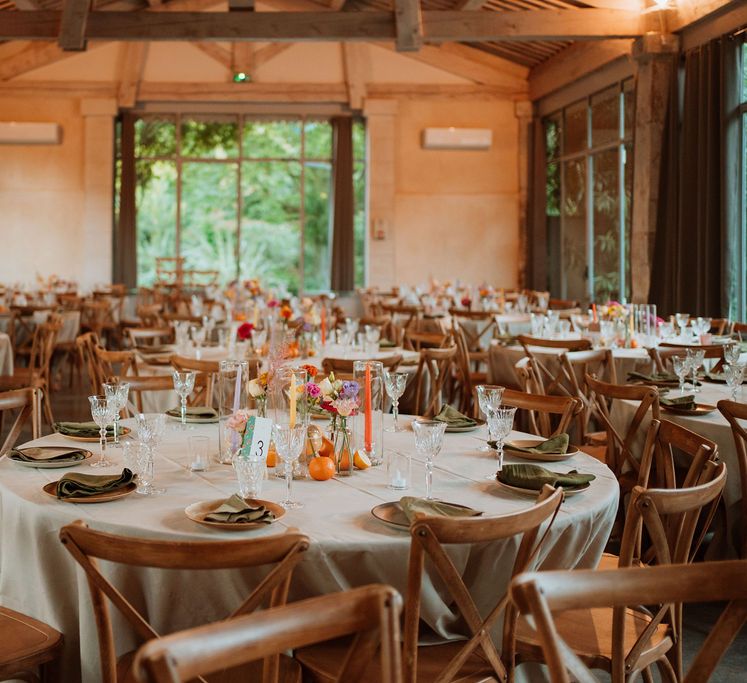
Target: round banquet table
[712,426]
[348,546]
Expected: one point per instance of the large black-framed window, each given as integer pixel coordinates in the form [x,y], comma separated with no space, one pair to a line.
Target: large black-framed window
[244,195]
[739,308]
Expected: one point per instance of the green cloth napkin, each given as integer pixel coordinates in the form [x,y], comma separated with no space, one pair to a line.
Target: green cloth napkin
[46,454]
[236,511]
[386,344]
[83,429]
[557,445]
[535,477]
[76,485]
[453,418]
[434,508]
[683,402]
[654,376]
[201,412]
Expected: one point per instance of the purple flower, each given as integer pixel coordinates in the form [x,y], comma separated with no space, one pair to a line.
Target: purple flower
[313,390]
[349,389]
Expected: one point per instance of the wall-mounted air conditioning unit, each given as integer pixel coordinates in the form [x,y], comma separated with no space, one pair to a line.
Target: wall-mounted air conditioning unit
[457,138]
[28,133]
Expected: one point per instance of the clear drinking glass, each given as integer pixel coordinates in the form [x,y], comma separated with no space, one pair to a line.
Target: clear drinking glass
[732,353]
[373,335]
[289,442]
[734,376]
[489,398]
[681,366]
[198,339]
[500,424]
[102,412]
[117,392]
[199,449]
[395,383]
[184,384]
[150,430]
[696,362]
[682,319]
[429,439]
[251,474]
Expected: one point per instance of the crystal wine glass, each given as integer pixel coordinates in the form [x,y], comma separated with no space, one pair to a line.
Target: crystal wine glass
[184,384]
[696,362]
[429,439]
[102,412]
[681,366]
[395,383]
[734,376]
[489,398]
[500,424]
[198,339]
[289,442]
[150,430]
[732,353]
[117,392]
[682,319]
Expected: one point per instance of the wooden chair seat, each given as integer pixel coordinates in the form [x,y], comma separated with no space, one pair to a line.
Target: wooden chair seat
[25,643]
[322,662]
[588,633]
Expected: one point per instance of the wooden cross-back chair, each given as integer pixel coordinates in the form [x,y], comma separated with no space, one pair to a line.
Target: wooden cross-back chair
[144,384]
[740,329]
[467,378]
[343,367]
[540,409]
[484,322]
[734,412]
[627,641]
[87,546]
[567,344]
[207,372]
[661,356]
[148,336]
[112,363]
[86,344]
[546,595]
[27,402]
[436,365]
[370,614]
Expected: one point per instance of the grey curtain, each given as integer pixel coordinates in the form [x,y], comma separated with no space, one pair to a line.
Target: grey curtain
[343,239]
[124,243]
[695,263]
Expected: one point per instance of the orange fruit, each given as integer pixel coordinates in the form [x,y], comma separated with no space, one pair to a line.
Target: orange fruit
[327,448]
[345,460]
[272,456]
[321,468]
[361,461]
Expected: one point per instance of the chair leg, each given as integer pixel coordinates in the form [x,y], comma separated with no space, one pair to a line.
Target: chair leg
[666,671]
[47,405]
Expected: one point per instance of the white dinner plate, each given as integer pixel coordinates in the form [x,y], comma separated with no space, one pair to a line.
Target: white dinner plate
[52,464]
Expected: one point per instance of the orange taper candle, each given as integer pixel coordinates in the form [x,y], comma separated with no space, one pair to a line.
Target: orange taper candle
[369,421]
[594,312]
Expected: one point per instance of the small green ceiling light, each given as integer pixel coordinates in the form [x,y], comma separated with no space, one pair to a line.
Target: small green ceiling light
[241,77]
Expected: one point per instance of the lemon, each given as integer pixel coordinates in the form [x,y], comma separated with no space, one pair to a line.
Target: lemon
[361,461]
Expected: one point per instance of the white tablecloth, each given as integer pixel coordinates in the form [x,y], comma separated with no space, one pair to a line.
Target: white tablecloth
[714,427]
[349,547]
[6,355]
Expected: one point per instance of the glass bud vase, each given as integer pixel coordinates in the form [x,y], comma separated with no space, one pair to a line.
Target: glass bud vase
[343,449]
[232,380]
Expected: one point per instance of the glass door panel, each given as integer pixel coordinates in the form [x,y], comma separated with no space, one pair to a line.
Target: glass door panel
[574,243]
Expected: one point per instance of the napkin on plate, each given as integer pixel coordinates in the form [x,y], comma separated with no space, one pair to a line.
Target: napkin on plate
[654,376]
[77,485]
[386,344]
[453,418]
[681,402]
[557,445]
[46,454]
[434,508]
[535,477]
[236,511]
[201,412]
[82,429]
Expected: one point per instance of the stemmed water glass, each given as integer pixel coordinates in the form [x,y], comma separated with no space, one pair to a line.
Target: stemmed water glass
[500,424]
[289,442]
[732,353]
[429,438]
[489,399]
[117,392]
[102,412]
[184,384]
[734,376]
[682,319]
[149,431]
[198,339]
[681,366]
[395,383]
[696,359]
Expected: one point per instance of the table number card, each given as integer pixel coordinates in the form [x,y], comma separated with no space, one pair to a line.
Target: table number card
[256,437]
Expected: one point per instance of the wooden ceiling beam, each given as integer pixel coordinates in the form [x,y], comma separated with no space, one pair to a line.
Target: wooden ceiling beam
[353,62]
[686,12]
[409,24]
[132,65]
[240,5]
[74,17]
[216,52]
[438,26]
[14,62]
[242,58]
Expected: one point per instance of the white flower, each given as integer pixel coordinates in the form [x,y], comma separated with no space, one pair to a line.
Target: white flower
[325,386]
[255,388]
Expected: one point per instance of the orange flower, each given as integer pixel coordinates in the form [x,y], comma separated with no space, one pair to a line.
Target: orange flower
[286,312]
[311,370]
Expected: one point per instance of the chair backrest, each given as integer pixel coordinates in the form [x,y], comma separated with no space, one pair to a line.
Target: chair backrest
[207,372]
[86,344]
[27,401]
[662,356]
[42,349]
[436,365]
[462,366]
[370,614]
[148,336]
[142,384]
[734,412]
[88,546]
[548,593]
[623,443]
[568,344]
[429,535]
[482,322]
[539,410]
[343,367]
[113,363]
